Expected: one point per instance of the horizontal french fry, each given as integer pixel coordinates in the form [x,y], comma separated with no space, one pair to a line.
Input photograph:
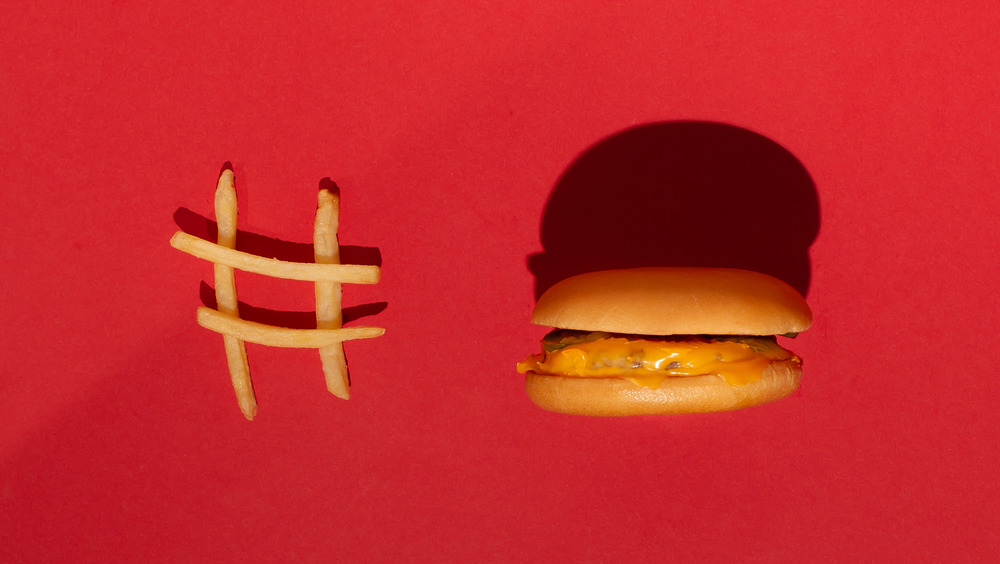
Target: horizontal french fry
[271,336]
[275,268]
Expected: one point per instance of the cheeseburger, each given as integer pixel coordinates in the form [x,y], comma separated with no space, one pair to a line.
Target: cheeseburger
[647,341]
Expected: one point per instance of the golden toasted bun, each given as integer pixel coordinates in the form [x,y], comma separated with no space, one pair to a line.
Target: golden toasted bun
[674,301]
[610,397]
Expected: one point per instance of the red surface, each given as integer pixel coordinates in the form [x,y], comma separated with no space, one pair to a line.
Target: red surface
[448,127]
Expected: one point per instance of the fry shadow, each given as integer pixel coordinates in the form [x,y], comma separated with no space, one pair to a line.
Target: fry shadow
[683,193]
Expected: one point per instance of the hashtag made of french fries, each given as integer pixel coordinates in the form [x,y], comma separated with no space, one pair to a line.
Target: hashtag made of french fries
[326,273]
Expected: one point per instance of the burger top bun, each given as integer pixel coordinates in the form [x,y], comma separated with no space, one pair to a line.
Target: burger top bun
[674,301]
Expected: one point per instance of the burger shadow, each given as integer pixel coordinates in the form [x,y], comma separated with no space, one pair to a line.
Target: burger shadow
[680,193]
[193,223]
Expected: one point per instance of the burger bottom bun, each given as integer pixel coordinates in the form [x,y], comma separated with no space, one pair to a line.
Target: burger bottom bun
[613,397]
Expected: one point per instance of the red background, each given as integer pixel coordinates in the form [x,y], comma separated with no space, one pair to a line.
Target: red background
[447,127]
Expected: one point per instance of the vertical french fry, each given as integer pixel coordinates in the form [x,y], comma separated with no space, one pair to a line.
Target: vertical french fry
[225,295]
[329,315]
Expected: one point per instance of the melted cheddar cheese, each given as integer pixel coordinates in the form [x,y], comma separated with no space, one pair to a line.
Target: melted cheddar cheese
[648,361]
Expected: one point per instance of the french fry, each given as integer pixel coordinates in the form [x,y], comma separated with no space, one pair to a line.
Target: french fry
[225,295]
[284,337]
[275,268]
[326,250]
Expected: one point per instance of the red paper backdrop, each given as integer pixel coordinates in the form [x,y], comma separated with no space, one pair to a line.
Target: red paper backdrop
[850,149]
